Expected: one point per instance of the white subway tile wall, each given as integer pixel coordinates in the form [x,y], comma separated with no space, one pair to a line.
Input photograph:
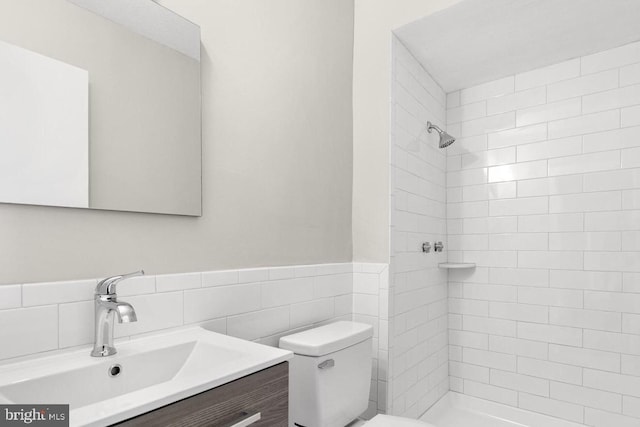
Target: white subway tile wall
[549,320]
[417,351]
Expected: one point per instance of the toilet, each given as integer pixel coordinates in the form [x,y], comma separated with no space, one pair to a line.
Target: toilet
[330,376]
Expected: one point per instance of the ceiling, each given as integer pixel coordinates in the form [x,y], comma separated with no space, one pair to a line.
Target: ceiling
[476,41]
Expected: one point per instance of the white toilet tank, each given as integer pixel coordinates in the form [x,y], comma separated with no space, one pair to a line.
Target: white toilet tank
[330,375]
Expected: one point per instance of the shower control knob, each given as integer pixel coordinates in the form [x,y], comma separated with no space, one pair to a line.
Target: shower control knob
[426,247]
[438,246]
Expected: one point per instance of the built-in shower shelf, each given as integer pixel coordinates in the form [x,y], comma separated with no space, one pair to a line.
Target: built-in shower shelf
[456,265]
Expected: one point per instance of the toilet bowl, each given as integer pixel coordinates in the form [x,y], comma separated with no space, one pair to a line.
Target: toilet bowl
[330,377]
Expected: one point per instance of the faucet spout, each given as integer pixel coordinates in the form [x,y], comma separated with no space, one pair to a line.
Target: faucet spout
[107,307]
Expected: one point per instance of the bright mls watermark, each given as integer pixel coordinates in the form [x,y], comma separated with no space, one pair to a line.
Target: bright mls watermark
[34,415]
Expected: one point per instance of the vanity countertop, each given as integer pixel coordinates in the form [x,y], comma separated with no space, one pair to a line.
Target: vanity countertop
[150,372]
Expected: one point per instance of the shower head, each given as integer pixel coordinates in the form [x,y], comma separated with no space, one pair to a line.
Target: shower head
[445,139]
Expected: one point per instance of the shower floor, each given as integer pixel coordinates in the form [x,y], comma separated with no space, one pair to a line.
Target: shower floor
[458,410]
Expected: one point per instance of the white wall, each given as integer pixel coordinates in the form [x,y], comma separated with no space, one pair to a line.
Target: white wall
[543,193]
[418,351]
[277,156]
[374,22]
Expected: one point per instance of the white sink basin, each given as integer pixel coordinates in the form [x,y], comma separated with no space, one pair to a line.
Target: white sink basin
[154,372]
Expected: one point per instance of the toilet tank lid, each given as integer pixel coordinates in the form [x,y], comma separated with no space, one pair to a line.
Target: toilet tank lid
[327,339]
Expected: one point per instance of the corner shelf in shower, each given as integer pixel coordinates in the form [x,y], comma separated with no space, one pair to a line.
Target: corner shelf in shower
[456,265]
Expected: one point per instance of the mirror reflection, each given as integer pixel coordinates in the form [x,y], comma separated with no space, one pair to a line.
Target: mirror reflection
[99,106]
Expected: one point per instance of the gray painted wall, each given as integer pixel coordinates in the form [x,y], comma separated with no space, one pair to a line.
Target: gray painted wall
[277,158]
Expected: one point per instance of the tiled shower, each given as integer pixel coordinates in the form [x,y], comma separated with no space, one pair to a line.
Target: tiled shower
[541,192]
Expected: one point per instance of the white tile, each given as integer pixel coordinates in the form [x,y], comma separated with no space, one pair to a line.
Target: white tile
[612,301]
[32,330]
[10,296]
[332,286]
[488,124]
[154,312]
[597,418]
[490,292]
[516,101]
[466,177]
[630,365]
[137,286]
[365,283]
[612,139]
[586,202]
[606,160]
[609,381]
[521,135]
[76,323]
[211,303]
[552,297]
[468,145]
[550,186]
[487,325]
[614,180]
[518,171]
[630,241]
[492,258]
[558,260]
[473,242]
[631,323]
[467,112]
[615,98]
[550,149]
[489,359]
[588,319]
[630,282]
[520,312]
[524,206]
[555,408]
[251,275]
[605,221]
[612,58]
[550,370]
[630,157]
[279,273]
[519,277]
[585,241]
[630,116]
[596,359]
[551,223]
[489,158]
[520,382]
[487,90]
[612,261]
[470,372]
[178,282]
[553,73]
[468,339]
[548,112]
[631,406]
[492,393]
[583,85]
[257,324]
[500,190]
[586,396]
[610,341]
[365,304]
[453,99]
[519,241]
[467,209]
[585,124]
[468,307]
[550,333]
[592,280]
[630,74]
[282,292]
[519,347]
[307,313]
[57,292]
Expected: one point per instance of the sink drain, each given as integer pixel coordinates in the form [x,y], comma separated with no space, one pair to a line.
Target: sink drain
[115,370]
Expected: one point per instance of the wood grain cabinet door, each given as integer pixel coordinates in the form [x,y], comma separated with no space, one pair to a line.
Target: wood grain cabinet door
[257,400]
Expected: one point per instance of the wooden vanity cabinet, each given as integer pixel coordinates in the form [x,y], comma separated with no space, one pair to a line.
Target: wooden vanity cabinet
[235,404]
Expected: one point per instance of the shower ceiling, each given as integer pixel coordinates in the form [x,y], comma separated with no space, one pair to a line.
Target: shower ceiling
[476,41]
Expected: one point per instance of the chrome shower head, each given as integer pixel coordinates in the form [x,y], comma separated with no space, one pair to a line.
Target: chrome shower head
[445,139]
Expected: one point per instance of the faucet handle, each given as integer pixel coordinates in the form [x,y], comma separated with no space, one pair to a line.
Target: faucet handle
[108,286]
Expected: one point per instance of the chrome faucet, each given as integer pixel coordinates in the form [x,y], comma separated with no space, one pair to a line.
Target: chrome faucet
[107,307]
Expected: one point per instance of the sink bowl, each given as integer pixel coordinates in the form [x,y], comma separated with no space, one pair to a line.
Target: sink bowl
[147,373]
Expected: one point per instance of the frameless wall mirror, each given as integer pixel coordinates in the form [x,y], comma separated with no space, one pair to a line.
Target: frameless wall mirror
[99,106]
